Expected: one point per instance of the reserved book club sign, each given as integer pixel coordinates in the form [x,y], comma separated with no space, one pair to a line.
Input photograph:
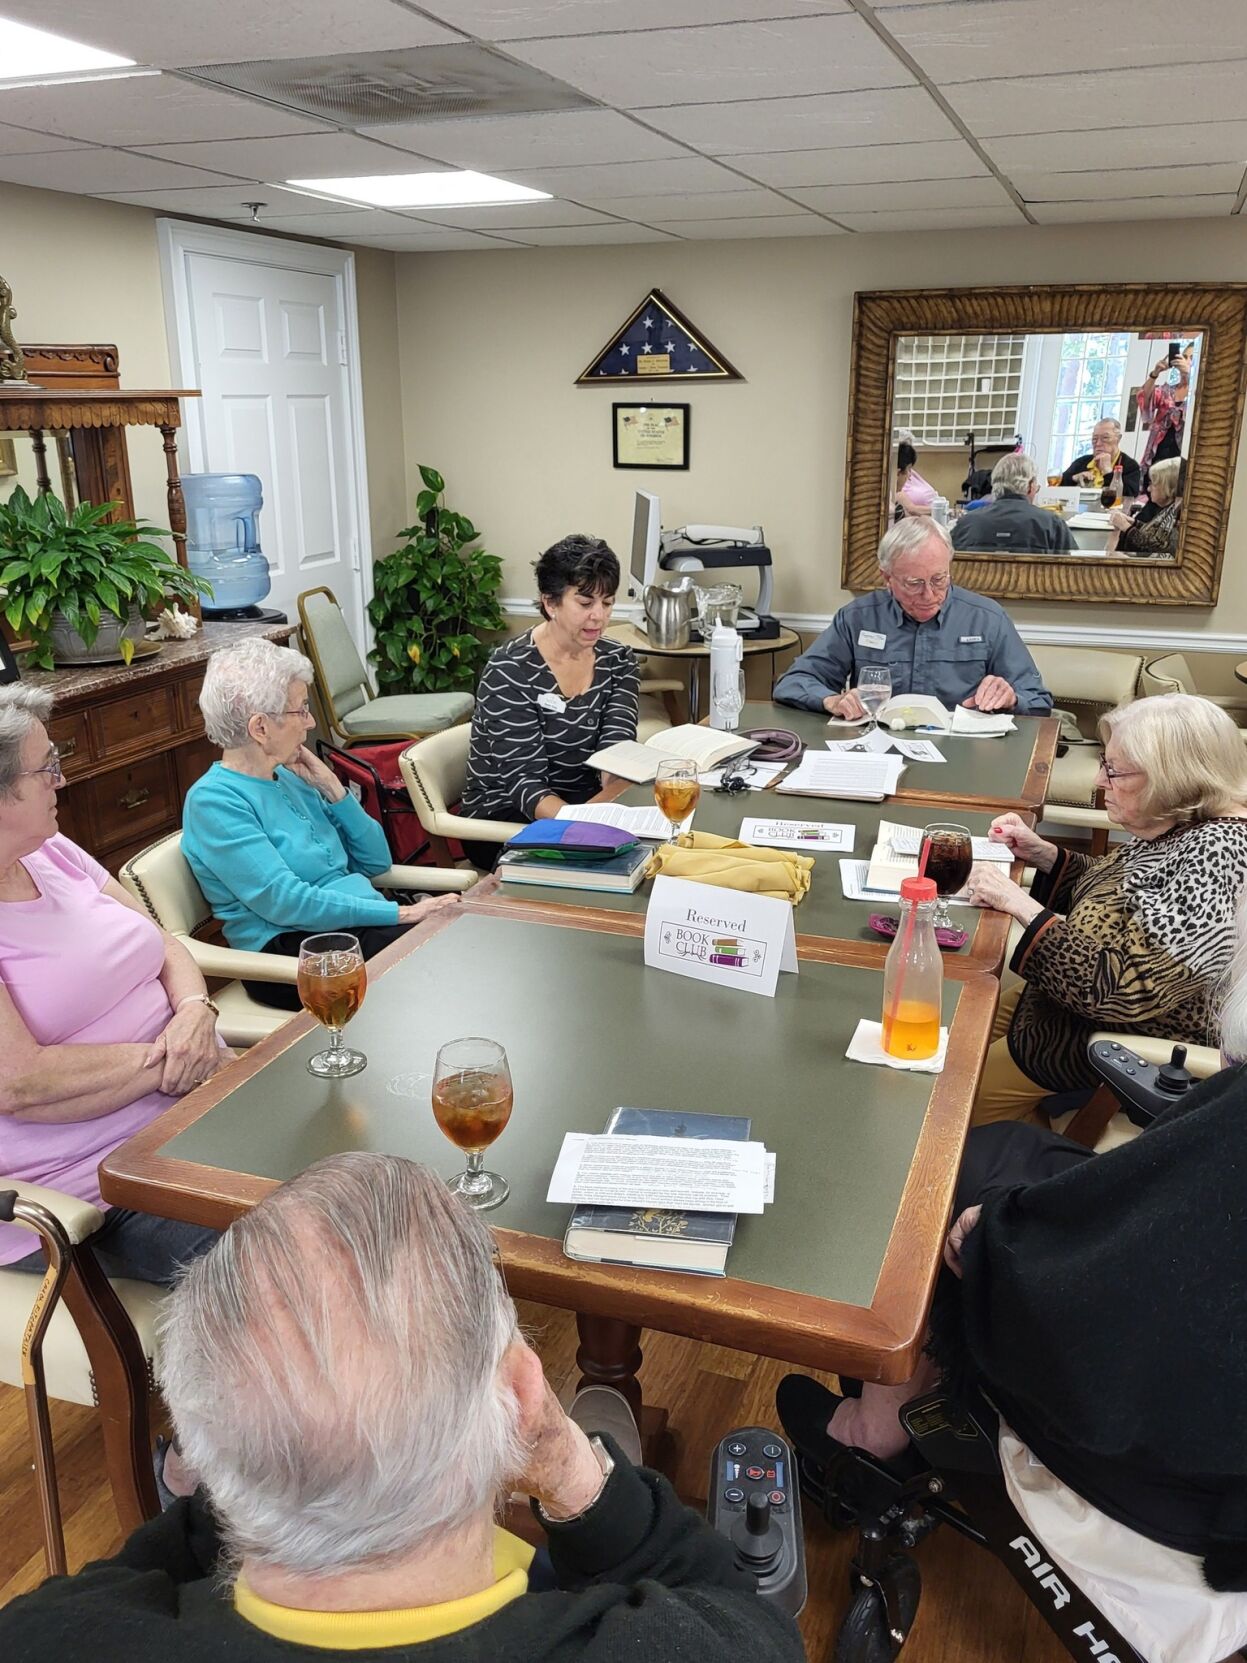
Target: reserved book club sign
[719,935]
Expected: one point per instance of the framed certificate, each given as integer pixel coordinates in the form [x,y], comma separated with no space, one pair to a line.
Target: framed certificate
[650,435]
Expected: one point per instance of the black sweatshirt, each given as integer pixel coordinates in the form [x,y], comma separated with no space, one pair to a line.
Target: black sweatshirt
[640,1576]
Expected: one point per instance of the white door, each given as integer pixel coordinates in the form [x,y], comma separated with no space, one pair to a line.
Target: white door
[265,329]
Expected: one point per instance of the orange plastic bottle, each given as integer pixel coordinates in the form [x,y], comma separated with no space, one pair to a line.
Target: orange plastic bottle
[913,977]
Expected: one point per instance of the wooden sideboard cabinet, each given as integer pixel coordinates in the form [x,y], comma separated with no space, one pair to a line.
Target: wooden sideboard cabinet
[132,741]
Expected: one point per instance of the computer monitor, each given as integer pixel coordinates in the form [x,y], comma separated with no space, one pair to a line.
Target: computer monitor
[646,530]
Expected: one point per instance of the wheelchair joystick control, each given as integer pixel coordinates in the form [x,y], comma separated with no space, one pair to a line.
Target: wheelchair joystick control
[1172,1076]
[1143,1089]
[755,1501]
[757,1540]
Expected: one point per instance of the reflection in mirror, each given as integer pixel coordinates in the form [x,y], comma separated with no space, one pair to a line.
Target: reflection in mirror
[20,465]
[1064,443]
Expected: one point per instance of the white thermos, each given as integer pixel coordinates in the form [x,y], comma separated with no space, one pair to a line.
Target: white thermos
[727,678]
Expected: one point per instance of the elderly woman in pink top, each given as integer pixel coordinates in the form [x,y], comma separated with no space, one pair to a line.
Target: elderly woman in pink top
[104,1019]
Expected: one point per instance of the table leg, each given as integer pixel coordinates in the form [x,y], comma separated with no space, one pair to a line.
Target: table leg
[610,1355]
[694,690]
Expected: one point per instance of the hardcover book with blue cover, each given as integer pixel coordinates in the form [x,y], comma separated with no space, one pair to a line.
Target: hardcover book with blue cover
[653,1237]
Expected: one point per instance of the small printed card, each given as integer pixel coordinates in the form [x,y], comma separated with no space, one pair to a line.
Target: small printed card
[719,935]
[809,836]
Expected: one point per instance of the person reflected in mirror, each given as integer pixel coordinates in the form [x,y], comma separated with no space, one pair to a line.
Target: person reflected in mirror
[978,489]
[1011,524]
[1152,529]
[1162,401]
[913,494]
[1095,467]
[931,635]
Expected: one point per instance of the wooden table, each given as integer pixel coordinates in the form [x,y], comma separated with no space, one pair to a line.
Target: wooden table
[1240,671]
[839,1272]
[697,651]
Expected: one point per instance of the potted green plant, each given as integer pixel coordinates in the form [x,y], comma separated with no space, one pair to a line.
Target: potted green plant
[432,599]
[76,583]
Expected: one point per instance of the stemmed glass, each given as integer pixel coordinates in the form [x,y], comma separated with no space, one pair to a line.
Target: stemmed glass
[332,984]
[946,856]
[472,1098]
[874,689]
[676,791]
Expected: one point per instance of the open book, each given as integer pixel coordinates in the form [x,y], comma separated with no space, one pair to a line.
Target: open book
[707,747]
[923,710]
[895,856]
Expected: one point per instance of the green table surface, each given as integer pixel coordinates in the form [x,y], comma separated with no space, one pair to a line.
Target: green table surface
[587,1027]
[824,912]
[992,771]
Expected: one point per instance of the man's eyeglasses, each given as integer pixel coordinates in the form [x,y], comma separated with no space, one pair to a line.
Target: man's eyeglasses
[938,585]
[52,767]
[735,779]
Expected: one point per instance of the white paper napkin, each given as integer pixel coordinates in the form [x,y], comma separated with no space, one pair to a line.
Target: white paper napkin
[867,1046]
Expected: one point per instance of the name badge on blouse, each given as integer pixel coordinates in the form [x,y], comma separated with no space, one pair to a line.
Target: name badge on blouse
[871,638]
[555,703]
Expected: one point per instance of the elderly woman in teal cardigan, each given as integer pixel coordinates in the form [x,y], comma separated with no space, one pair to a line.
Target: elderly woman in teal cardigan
[278,845]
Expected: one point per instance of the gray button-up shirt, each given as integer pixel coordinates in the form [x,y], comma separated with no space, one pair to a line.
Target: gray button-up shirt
[947,656]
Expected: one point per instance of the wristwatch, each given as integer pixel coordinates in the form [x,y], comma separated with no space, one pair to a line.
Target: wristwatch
[606,1461]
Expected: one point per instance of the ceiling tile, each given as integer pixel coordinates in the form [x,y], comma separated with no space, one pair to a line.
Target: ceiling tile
[589,184]
[437,242]
[742,60]
[517,216]
[779,225]
[939,219]
[93,171]
[147,109]
[1095,186]
[1156,146]
[894,116]
[915,193]
[575,236]
[533,19]
[863,164]
[1069,103]
[230,31]
[366,222]
[555,139]
[976,39]
[312,156]
[226,201]
[708,205]
[1133,207]
[19,141]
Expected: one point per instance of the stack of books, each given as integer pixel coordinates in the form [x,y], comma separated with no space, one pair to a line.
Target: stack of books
[619,874]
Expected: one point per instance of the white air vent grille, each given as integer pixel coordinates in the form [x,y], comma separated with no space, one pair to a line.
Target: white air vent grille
[424,83]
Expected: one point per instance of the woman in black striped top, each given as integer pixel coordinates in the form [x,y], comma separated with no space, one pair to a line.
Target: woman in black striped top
[551,697]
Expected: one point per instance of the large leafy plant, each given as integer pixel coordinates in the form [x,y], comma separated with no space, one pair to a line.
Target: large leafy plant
[433,597]
[82,564]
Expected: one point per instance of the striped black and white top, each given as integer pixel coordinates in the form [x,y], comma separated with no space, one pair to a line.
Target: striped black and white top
[528,740]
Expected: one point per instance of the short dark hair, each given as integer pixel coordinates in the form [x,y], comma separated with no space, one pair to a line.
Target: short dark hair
[906,456]
[585,564]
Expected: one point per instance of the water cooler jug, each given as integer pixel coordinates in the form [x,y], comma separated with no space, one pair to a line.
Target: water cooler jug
[223,545]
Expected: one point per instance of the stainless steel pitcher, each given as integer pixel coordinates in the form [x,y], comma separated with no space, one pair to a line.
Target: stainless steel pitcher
[668,614]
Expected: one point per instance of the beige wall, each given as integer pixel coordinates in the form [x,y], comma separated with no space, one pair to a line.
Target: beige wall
[492,342]
[83,270]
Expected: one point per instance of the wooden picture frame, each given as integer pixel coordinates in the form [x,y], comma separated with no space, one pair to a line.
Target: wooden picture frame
[650,435]
[1194,577]
[8,457]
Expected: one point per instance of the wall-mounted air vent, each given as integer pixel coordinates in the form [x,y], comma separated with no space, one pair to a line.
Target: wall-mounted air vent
[423,83]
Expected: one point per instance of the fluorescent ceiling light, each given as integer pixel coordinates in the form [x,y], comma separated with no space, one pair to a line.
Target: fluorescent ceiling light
[448,189]
[25,52]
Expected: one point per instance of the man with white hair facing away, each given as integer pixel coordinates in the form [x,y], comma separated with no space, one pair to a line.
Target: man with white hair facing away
[931,636]
[346,1375]
[1011,524]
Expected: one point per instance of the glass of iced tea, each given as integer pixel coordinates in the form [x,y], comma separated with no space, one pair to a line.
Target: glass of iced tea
[949,857]
[472,1098]
[332,984]
[676,791]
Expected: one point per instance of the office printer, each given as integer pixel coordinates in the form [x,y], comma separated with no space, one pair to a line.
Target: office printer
[697,548]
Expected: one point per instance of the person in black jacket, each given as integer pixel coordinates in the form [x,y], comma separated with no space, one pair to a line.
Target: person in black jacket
[1011,524]
[346,1375]
[1095,468]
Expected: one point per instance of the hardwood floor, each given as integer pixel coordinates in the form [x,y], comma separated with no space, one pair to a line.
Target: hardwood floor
[971,1611]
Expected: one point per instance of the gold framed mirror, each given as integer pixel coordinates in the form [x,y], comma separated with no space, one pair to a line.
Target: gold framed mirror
[1099,384]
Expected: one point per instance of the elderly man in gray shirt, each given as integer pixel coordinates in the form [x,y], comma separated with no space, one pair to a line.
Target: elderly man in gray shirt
[933,637]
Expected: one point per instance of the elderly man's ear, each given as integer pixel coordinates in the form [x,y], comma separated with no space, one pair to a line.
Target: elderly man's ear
[522,1371]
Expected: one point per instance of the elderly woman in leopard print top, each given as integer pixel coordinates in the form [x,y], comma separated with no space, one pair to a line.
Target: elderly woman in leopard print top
[1136,940]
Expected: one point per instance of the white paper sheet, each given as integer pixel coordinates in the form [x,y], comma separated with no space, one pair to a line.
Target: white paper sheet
[807,836]
[919,750]
[879,743]
[835,774]
[907,840]
[650,823]
[696,1175]
[854,887]
[981,724]
[719,935]
[763,774]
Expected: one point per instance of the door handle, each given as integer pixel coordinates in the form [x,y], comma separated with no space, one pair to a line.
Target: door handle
[134,799]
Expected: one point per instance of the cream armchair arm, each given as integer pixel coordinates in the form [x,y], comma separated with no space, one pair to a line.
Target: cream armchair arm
[231,963]
[434,878]
[78,1218]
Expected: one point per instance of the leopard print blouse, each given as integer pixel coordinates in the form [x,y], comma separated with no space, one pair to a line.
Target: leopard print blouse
[1135,940]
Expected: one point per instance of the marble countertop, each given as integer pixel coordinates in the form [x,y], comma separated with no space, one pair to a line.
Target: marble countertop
[93,681]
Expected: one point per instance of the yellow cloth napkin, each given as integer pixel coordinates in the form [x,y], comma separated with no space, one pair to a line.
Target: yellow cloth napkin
[701,857]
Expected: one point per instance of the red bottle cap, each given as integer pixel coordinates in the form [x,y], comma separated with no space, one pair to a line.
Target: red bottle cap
[918,889]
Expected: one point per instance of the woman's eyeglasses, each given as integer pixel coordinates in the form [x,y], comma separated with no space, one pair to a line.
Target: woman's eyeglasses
[52,767]
[735,779]
[1110,773]
[304,710]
